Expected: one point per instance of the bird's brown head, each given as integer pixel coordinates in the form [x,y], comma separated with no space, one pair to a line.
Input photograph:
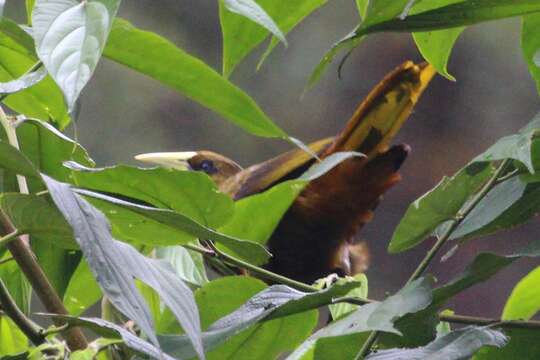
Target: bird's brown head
[217,166]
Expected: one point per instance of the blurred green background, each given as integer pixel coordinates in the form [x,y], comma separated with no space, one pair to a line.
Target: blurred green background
[124,113]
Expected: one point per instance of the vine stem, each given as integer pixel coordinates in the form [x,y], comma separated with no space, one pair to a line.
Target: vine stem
[22,253]
[454,223]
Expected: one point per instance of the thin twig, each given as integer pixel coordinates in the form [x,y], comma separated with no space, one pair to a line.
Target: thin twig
[8,237]
[27,326]
[454,223]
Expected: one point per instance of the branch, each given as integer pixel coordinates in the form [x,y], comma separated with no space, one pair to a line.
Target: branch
[21,252]
[27,326]
[458,219]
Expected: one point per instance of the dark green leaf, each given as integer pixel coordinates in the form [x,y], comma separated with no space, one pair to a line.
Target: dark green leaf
[379,316]
[70,59]
[131,219]
[456,345]
[191,193]
[241,36]
[14,161]
[116,264]
[188,75]
[524,302]
[440,204]
[36,216]
[523,344]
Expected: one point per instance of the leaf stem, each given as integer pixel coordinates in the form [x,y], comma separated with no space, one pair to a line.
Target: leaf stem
[454,223]
[27,326]
[7,238]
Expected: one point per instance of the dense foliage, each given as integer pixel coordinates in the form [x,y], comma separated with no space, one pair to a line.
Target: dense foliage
[141,240]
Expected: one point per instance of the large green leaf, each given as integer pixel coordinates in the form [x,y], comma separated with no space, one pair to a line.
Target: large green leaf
[440,204]
[12,339]
[393,15]
[148,225]
[241,36]
[191,193]
[261,341]
[43,100]
[70,37]
[174,67]
[524,302]
[435,46]
[530,44]
[115,265]
[523,344]
[513,199]
[379,316]
[274,302]
[82,291]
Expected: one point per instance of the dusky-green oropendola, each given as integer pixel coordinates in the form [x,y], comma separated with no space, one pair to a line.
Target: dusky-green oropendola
[316,235]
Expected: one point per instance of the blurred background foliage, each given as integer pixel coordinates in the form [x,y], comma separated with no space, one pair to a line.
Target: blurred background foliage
[124,113]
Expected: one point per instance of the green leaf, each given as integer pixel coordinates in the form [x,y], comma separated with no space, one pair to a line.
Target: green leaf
[260,341]
[116,264]
[113,331]
[440,204]
[29,4]
[274,302]
[82,291]
[48,148]
[390,15]
[13,160]
[43,100]
[241,36]
[16,283]
[491,207]
[12,339]
[188,265]
[341,309]
[70,37]
[143,224]
[524,302]
[518,146]
[456,345]
[523,344]
[191,193]
[188,75]
[36,216]
[254,12]
[530,45]
[378,316]
[420,328]
[24,82]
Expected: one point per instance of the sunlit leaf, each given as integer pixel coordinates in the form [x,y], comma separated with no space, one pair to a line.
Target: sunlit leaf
[524,302]
[17,55]
[241,36]
[188,75]
[70,37]
[12,339]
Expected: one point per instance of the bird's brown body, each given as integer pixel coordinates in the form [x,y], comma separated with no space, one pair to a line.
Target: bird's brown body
[315,237]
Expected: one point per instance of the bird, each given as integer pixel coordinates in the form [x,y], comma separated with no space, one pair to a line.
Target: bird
[316,235]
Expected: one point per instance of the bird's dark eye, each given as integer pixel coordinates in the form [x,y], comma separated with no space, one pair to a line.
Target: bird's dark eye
[208,167]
